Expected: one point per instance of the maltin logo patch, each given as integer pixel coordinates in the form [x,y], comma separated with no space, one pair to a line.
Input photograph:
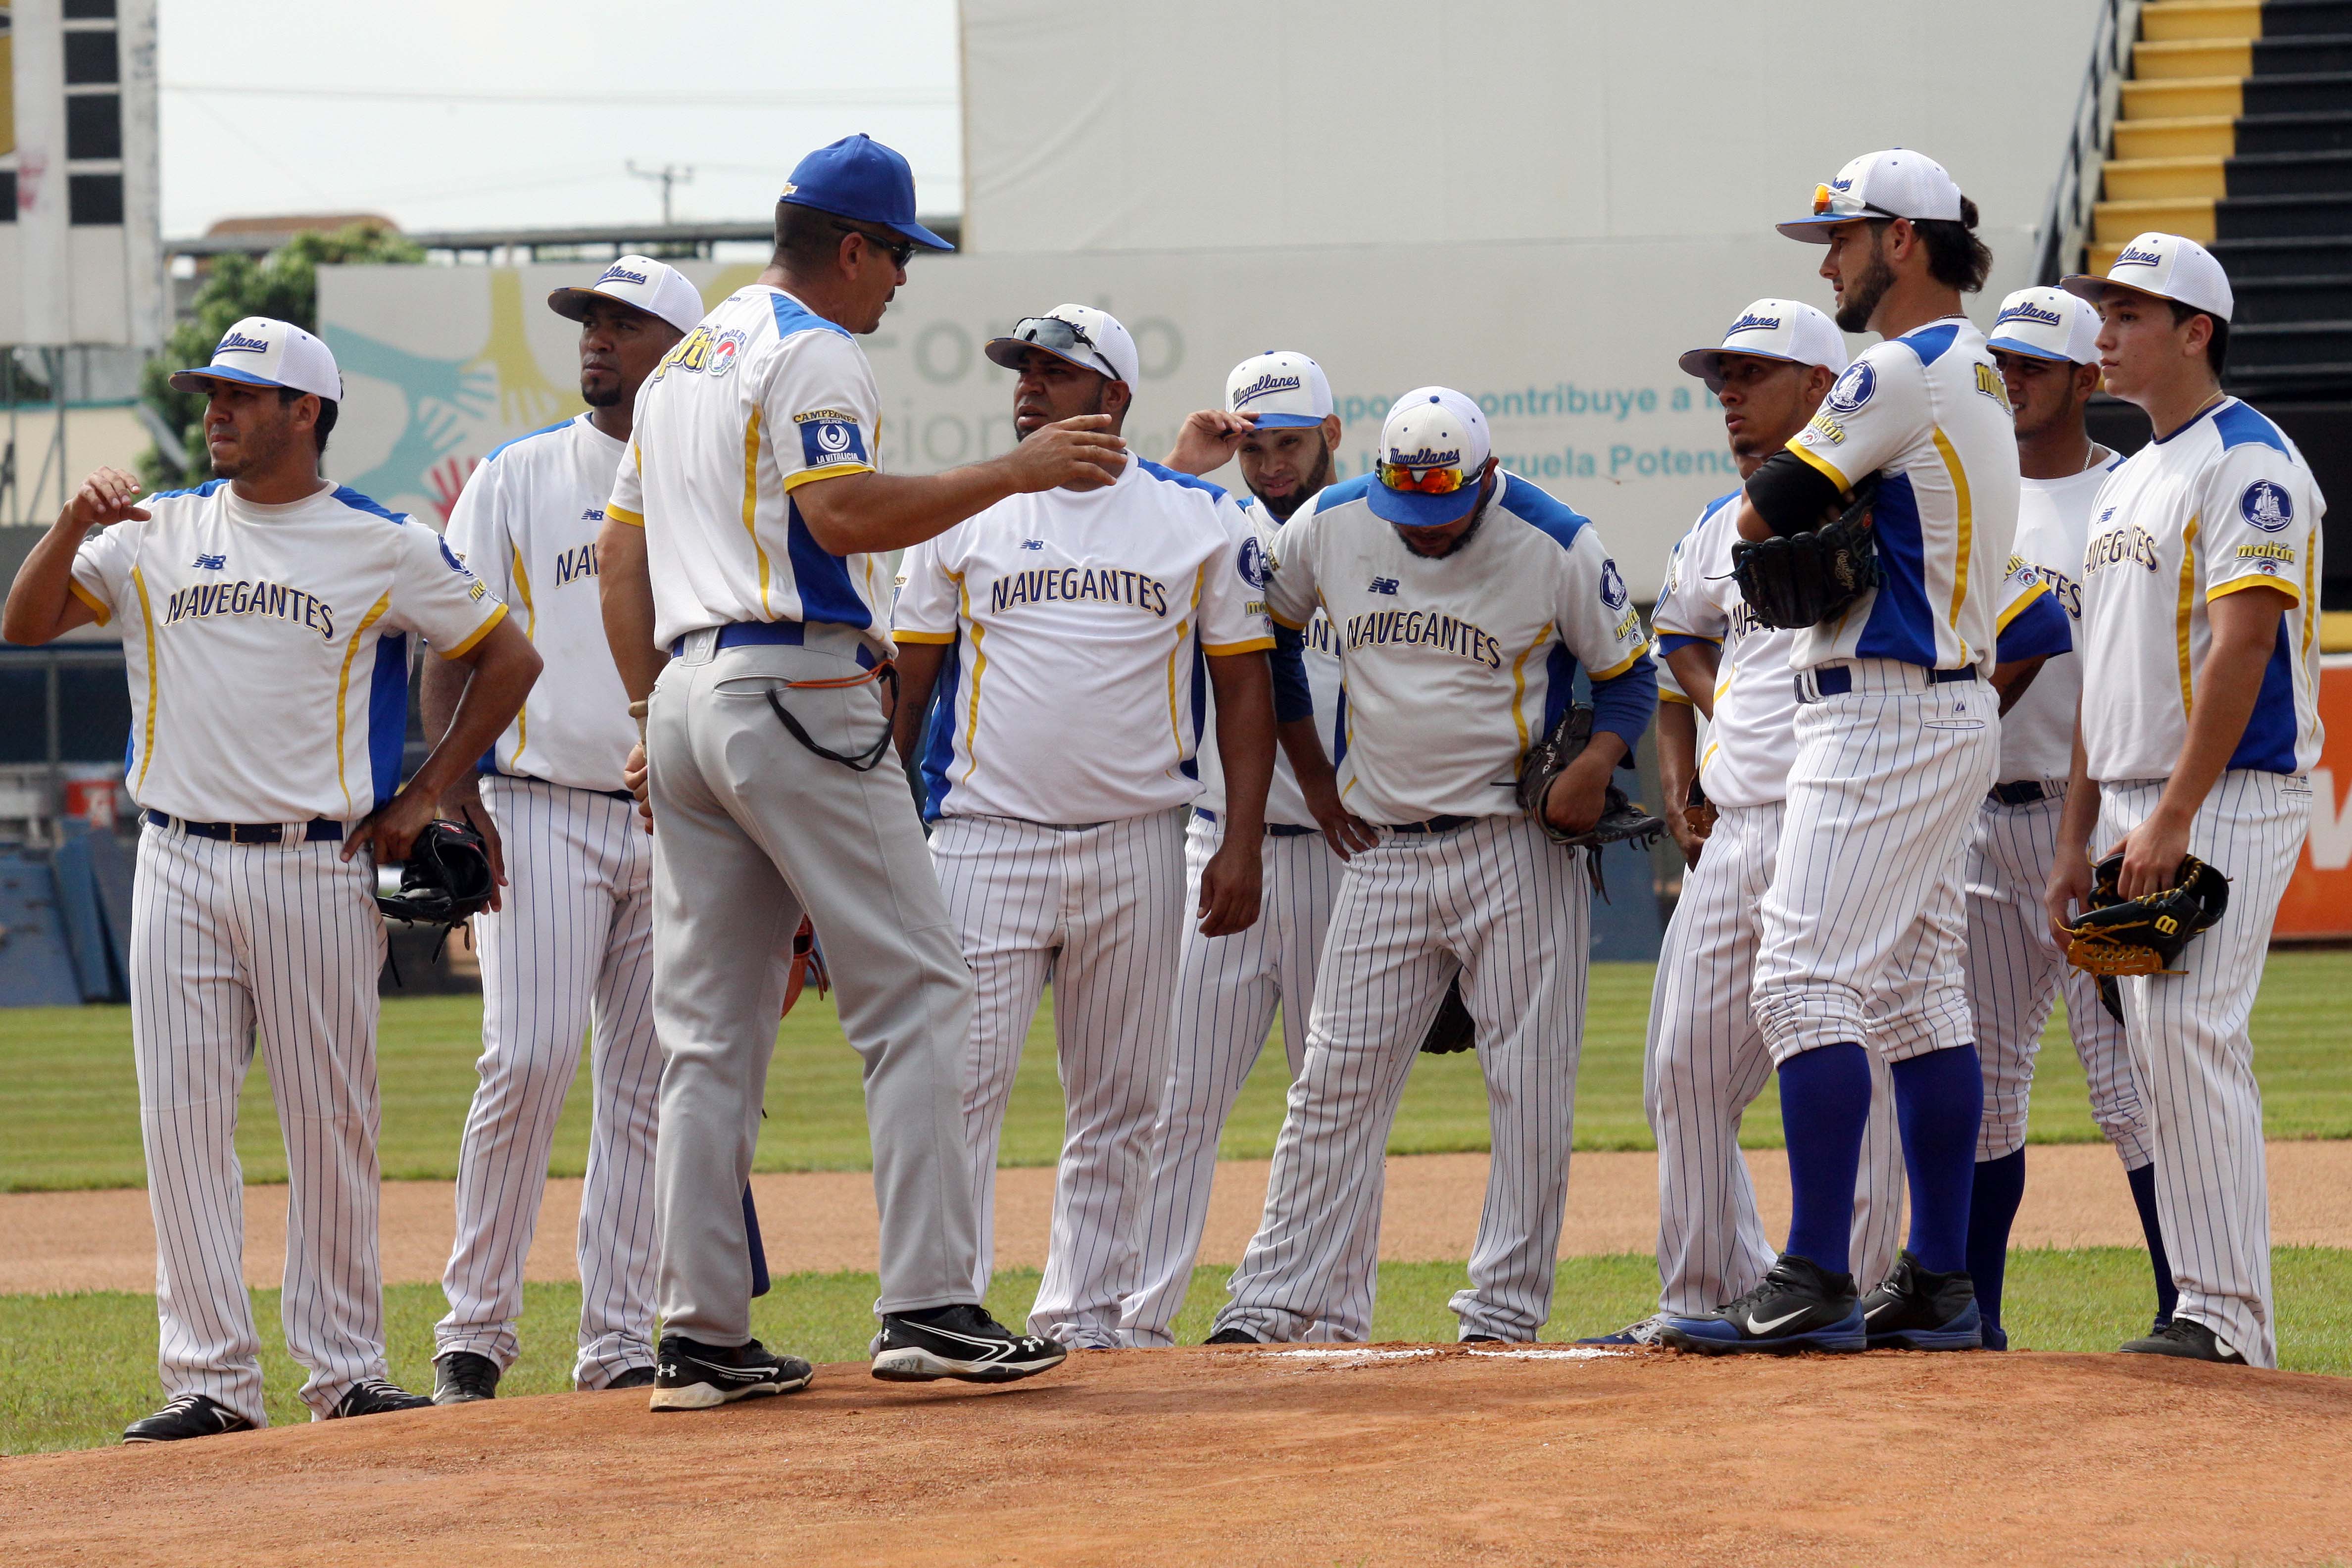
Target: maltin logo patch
[829,437]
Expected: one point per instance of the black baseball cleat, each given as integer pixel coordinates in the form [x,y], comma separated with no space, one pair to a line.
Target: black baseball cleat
[635,1377]
[2188,1339]
[960,1341]
[1920,1310]
[695,1376]
[1482,1338]
[1233,1337]
[462,1377]
[1801,1305]
[188,1416]
[377,1396]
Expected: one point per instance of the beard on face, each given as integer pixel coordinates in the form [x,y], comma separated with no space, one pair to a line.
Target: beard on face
[1282,507]
[1861,302]
[596,399]
[1094,407]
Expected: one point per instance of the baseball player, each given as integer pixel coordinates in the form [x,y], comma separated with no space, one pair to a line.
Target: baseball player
[747,608]
[2044,341]
[1060,632]
[2199,609]
[1897,732]
[265,619]
[571,948]
[1463,600]
[1706,1060]
[1278,419]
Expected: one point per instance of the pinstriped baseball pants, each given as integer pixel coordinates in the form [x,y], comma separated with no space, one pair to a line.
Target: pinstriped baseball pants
[571,950]
[2014,974]
[2189,1045]
[1706,1063]
[278,943]
[1505,907]
[1227,991]
[1100,912]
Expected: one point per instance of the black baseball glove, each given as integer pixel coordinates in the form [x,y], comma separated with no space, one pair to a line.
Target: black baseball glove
[2145,935]
[1620,819]
[445,881]
[1451,1030]
[1798,580]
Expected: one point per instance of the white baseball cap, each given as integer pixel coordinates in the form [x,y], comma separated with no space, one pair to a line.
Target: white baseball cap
[1774,329]
[263,353]
[2167,266]
[642,283]
[1087,338]
[1282,389]
[2047,323]
[1433,449]
[1897,182]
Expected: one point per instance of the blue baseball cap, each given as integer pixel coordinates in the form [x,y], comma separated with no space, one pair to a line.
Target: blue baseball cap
[858,178]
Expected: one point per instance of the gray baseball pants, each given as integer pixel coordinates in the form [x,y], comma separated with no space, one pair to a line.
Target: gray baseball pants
[751,831]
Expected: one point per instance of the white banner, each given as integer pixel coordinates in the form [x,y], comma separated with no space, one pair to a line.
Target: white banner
[1570,349]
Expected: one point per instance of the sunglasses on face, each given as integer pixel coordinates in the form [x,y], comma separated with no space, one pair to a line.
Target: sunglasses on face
[900,251]
[1425,481]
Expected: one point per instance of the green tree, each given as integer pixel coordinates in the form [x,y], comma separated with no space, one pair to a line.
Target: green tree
[283,285]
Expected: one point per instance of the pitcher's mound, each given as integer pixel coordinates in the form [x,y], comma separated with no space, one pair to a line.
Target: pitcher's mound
[1361,1455]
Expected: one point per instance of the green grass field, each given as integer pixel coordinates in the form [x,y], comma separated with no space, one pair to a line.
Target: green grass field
[67,1083]
[83,1366]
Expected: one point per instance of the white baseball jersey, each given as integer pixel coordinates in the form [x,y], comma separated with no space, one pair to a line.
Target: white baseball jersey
[762,398]
[1075,616]
[267,647]
[1752,737]
[2054,523]
[1751,740]
[1927,413]
[1455,666]
[2224,503]
[526,524]
[1319,667]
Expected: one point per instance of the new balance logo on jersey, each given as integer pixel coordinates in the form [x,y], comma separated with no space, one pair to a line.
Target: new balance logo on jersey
[1383,586]
[211,562]
[594,514]
[1033,544]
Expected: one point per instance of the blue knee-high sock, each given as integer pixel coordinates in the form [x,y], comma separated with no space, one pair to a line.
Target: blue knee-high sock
[1992,1209]
[1939,1101]
[2143,1191]
[1824,1101]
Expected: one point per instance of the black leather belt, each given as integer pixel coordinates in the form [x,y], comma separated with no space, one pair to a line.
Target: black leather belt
[1272,829]
[2022,792]
[319,829]
[1434,824]
[766,633]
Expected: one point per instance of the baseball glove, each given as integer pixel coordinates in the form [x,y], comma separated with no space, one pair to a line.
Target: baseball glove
[1620,819]
[445,881]
[1798,580]
[1451,1030]
[1699,811]
[808,963]
[2145,935]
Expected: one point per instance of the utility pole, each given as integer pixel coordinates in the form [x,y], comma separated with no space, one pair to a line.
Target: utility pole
[670,175]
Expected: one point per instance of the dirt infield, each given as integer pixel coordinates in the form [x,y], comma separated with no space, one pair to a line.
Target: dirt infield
[825,1221]
[1381,1455]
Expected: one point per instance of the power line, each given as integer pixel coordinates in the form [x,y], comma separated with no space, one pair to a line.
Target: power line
[625,97]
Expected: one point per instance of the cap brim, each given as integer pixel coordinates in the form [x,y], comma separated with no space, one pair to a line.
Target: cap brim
[1285,421]
[1814,230]
[913,231]
[193,380]
[921,236]
[572,304]
[1007,352]
[1414,511]
[2030,350]
[1701,363]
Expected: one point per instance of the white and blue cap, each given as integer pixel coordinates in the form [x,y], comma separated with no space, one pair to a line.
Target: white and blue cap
[1433,449]
[1090,339]
[1280,389]
[259,352]
[640,283]
[1897,182]
[2047,323]
[1774,329]
[2168,267]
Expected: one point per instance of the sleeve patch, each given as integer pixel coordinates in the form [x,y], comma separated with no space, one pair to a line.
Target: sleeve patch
[1852,389]
[829,437]
[2267,505]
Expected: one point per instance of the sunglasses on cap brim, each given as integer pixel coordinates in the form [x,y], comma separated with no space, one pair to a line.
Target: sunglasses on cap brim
[1068,339]
[1825,206]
